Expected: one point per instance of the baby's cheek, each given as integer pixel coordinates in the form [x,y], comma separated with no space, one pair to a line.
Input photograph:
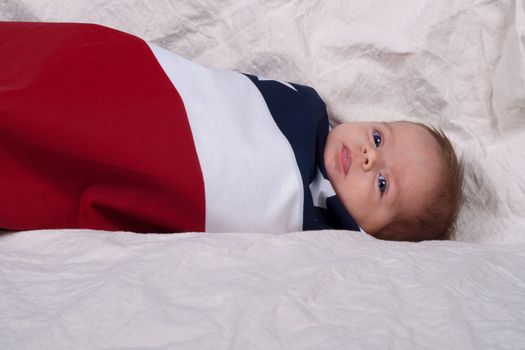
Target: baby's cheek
[360,188]
[357,203]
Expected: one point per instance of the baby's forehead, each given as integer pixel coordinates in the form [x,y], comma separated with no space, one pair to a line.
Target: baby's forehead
[421,132]
[413,144]
[418,171]
[417,186]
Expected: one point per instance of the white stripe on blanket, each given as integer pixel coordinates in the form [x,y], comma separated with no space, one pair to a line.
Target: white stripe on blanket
[259,188]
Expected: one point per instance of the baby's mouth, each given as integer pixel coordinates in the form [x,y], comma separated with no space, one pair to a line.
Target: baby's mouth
[345,159]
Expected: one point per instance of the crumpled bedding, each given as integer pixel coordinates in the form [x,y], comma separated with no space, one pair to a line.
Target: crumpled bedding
[306,290]
[456,64]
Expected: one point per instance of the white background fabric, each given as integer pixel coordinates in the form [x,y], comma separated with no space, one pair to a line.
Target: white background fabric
[457,64]
[311,290]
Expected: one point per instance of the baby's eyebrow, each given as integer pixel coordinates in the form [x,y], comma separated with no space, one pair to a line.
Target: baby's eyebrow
[394,174]
[390,130]
[395,188]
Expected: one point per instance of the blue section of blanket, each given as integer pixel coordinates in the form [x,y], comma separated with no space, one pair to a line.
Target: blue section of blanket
[300,113]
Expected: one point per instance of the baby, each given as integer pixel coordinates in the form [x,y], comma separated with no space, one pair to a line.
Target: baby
[103,130]
[400,181]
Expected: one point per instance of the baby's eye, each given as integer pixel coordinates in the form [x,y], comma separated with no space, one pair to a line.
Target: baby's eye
[381,182]
[377,138]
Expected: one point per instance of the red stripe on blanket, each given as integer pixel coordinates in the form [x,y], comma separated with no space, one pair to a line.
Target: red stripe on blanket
[92,134]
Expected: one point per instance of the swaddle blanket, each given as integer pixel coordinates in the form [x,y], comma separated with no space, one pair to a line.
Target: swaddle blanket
[103,130]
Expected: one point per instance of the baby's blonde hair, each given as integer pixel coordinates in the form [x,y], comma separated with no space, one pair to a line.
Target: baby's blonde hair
[436,220]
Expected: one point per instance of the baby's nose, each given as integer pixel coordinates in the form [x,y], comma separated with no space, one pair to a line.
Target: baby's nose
[369,157]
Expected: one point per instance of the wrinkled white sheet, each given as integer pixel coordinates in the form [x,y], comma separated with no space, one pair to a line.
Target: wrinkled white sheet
[313,290]
[458,64]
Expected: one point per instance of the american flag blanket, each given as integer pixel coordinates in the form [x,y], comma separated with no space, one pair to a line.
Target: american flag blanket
[100,129]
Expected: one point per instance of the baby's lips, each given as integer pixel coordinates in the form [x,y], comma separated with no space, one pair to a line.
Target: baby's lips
[345,159]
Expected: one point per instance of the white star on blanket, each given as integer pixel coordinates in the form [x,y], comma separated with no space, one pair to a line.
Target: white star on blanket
[285,83]
[321,189]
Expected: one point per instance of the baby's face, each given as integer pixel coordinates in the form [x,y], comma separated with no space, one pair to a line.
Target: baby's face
[380,170]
